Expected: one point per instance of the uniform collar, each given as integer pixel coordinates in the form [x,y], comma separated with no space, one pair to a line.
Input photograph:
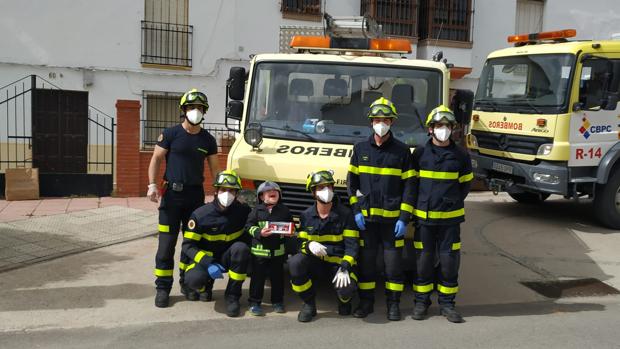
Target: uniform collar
[332,213]
[386,143]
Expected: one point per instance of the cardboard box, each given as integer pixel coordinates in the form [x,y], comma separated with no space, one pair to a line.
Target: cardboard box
[21,184]
[285,228]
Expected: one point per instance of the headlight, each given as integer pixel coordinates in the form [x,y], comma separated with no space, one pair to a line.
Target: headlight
[253,135]
[545,149]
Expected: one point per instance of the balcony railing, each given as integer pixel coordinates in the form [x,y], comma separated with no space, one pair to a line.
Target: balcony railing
[397,17]
[445,20]
[167,44]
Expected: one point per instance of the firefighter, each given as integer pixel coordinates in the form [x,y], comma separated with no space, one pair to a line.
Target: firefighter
[215,243]
[268,250]
[445,175]
[185,147]
[329,243]
[380,186]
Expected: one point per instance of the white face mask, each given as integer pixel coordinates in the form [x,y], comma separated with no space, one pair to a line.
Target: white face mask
[442,133]
[325,195]
[194,116]
[381,128]
[225,198]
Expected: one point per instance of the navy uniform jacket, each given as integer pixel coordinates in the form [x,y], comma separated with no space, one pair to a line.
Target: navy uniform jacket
[444,178]
[212,231]
[273,245]
[383,176]
[337,232]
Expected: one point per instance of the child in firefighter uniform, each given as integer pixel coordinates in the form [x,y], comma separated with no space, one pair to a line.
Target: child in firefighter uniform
[444,176]
[216,243]
[380,187]
[329,242]
[268,252]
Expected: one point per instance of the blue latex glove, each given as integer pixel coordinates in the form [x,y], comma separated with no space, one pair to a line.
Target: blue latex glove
[215,271]
[400,229]
[359,220]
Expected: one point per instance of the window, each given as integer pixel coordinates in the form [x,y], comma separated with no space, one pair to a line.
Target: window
[301,9]
[397,18]
[166,36]
[598,76]
[529,16]
[445,20]
[159,110]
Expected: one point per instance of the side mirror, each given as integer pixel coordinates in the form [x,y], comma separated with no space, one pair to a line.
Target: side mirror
[236,83]
[234,111]
[462,106]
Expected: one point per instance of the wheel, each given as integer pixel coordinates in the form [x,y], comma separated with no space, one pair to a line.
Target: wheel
[529,198]
[607,202]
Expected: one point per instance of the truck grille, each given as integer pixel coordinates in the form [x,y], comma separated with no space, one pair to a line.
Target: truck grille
[510,143]
[297,199]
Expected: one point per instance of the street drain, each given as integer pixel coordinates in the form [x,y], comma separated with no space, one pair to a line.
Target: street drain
[571,288]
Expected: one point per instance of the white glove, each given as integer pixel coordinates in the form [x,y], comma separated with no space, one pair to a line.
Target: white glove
[153,192]
[317,249]
[342,278]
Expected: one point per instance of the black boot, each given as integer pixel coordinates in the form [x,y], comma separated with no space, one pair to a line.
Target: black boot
[206,296]
[451,314]
[393,311]
[307,312]
[190,294]
[344,308]
[162,298]
[233,309]
[365,307]
[420,310]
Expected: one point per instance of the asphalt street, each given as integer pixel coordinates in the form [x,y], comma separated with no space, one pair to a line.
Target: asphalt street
[531,277]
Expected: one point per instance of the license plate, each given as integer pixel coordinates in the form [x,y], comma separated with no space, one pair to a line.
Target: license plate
[502,168]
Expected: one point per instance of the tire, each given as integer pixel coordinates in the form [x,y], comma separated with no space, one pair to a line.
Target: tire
[529,198]
[607,202]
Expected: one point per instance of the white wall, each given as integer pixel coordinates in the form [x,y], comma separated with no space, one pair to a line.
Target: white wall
[592,19]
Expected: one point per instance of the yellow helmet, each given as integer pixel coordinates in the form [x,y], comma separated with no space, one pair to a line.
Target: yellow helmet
[319,177]
[440,113]
[194,97]
[227,179]
[382,108]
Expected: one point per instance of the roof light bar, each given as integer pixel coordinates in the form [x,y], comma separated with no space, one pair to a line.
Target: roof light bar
[351,44]
[552,35]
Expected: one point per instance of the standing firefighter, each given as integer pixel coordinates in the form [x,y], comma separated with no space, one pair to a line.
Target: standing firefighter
[445,174]
[329,243]
[216,243]
[185,147]
[380,184]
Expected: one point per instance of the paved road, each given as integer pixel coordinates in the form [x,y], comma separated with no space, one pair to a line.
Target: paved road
[103,298]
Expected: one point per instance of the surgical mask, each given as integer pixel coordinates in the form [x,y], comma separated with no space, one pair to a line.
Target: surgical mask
[225,198]
[325,195]
[194,116]
[381,128]
[442,133]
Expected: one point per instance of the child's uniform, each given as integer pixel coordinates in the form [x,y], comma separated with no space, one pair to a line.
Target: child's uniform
[268,253]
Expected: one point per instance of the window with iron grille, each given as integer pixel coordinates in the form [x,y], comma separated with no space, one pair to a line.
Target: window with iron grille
[159,110]
[166,35]
[397,17]
[445,20]
[301,9]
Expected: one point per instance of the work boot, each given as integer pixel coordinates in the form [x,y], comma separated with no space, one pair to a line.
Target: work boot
[307,312]
[420,310]
[190,294]
[344,309]
[393,311]
[256,310]
[364,308]
[206,296]
[279,308]
[162,298]
[233,309]
[452,315]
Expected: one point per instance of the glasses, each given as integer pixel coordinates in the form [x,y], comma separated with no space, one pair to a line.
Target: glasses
[381,109]
[227,179]
[322,175]
[443,116]
[194,96]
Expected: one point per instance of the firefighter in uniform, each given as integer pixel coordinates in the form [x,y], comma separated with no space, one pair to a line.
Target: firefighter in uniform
[268,251]
[184,147]
[445,174]
[380,186]
[329,243]
[215,242]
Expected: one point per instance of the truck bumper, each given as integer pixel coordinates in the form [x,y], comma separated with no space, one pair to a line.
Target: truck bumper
[511,176]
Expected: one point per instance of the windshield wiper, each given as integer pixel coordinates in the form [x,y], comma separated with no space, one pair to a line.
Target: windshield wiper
[290,129]
[486,104]
[529,104]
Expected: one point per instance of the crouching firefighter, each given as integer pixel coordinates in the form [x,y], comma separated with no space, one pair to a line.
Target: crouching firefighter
[328,245]
[445,175]
[215,243]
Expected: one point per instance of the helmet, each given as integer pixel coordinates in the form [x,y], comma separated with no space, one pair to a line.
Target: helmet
[266,186]
[227,179]
[194,97]
[440,113]
[382,108]
[319,177]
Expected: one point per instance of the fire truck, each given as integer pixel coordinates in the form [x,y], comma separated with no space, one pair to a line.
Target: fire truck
[546,121]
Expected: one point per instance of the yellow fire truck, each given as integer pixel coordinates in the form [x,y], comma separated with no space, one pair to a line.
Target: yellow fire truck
[546,121]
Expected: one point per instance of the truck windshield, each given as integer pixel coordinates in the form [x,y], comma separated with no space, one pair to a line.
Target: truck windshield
[530,84]
[329,103]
